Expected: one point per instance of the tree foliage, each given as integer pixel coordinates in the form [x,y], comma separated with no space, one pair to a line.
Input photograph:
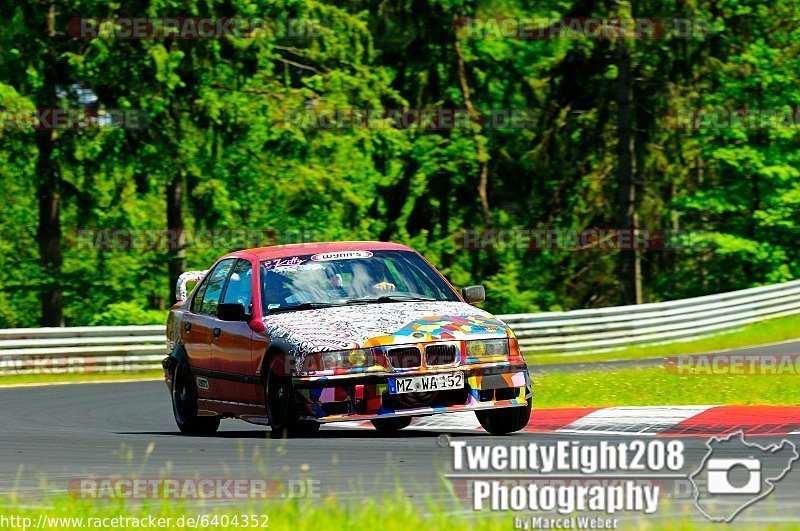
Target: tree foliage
[221,146]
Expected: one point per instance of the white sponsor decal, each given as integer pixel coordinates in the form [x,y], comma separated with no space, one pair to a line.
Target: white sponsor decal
[281,263]
[340,255]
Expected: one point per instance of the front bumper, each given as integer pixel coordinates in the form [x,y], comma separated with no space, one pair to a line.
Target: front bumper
[366,396]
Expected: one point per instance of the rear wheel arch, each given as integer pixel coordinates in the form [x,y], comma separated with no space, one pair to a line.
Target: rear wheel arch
[183,392]
[175,358]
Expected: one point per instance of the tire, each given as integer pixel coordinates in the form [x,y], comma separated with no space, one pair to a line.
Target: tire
[391,424]
[505,420]
[282,412]
[184,404]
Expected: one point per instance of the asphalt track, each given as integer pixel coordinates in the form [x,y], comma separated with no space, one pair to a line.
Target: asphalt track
[53,434]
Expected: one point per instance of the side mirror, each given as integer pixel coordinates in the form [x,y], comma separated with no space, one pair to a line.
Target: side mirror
[473,294]
[232,311]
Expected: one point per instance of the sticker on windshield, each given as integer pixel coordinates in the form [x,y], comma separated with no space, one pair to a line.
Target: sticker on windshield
[283,262]
[341,255]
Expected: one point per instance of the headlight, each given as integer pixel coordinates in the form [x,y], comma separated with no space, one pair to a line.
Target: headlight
[358,358]
[332,360]
[488,349]
[342,359]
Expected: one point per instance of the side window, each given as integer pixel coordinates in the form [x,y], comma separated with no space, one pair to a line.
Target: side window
[240,286]
[198,296]
[216,281]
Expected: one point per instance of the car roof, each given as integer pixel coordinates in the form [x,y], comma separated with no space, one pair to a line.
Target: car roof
[286,251]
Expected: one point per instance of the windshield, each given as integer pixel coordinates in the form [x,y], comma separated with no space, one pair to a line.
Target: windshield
[349,277]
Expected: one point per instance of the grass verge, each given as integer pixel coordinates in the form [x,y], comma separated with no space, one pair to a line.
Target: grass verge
[390,514]
[771,331]
[77,377]
[657,387]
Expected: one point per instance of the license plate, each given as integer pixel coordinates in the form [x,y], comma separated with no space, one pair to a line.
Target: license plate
[427,383]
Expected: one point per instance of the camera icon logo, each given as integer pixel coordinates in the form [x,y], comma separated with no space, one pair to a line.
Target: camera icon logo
[720,471]
[735,474]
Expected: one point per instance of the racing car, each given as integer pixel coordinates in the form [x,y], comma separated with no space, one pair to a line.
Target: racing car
[295,336]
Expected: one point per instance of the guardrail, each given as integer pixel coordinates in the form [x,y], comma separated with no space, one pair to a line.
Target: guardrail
[81,349]
[136,348]
[608,328]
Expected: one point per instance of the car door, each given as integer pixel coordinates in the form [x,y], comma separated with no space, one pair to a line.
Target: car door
[198,324]
[232,341]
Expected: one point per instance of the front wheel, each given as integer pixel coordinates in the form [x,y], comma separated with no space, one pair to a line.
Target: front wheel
[184,404]
[506,420]
[284,418]
[391,424]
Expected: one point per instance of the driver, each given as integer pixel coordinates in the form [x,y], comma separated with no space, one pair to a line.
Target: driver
[384,286]
[276,289]
[381,271]
[335,283]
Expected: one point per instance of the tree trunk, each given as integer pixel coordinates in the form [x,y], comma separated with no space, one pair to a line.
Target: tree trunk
[48,178]
[480,149]
[177,252]
[49,230]
[630,270]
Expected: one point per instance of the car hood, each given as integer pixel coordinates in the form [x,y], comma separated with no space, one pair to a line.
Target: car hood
[369,325]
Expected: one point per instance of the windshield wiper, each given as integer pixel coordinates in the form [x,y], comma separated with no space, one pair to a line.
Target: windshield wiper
[391,298]
[304,306]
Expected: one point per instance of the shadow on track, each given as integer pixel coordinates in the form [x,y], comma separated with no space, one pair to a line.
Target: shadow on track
[323,434]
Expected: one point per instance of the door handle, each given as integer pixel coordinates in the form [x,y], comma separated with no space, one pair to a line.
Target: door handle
[187,327]
[216,332]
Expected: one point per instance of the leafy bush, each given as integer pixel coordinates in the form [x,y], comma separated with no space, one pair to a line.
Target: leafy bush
[129,313]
